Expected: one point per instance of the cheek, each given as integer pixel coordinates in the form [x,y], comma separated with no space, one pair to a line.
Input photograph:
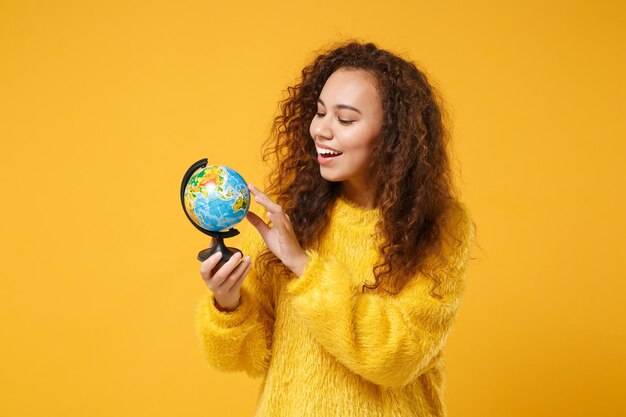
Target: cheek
[359,157]
[364,143]
[367,153]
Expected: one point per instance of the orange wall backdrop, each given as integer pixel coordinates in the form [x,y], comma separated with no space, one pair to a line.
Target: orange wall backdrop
[104,105]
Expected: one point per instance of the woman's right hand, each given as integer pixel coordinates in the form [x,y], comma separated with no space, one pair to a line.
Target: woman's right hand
[225,281]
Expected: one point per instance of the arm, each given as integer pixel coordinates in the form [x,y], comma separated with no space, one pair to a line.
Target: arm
[239,340]
[388,340]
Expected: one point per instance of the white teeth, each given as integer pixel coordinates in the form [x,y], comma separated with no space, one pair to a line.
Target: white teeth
[327,152]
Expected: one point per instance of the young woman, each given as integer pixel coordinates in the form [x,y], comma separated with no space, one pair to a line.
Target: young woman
[360,256]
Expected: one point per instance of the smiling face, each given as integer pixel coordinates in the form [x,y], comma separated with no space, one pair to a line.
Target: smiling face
[347,127]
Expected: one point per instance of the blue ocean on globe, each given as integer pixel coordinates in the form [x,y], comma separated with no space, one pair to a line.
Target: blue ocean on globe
[216,198]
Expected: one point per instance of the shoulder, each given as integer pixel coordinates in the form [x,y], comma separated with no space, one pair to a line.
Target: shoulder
[452,253]
[457,224]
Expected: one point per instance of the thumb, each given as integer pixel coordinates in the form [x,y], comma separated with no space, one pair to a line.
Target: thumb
[258,223]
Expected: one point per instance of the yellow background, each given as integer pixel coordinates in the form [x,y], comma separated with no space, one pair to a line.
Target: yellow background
[104,105]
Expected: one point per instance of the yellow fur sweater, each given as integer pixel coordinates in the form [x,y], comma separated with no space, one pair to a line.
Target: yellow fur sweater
[324,348]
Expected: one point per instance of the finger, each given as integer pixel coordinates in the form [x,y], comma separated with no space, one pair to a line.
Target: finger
[225,270]
[237,285]
[258,223]
[262,198]
[279,221]
[217,268]
[236,274]
[288,223]
[208,265]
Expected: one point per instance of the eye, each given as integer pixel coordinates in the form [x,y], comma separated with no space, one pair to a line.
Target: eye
[320,114]
[345,122]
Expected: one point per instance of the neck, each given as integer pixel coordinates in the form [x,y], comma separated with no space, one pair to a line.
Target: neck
[358,193]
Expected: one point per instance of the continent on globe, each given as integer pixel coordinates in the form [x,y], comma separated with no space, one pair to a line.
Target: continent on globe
[240,204]
[216,198]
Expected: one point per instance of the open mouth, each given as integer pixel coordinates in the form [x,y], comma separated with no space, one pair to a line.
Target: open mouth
[327,153]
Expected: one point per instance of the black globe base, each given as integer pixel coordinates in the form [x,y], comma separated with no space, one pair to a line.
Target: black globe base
[219,246]
[227,252]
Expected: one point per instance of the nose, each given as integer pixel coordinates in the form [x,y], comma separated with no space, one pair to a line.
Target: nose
[321,127]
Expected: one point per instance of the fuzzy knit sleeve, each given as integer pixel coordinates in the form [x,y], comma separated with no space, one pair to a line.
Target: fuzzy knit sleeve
[387,339]
[239,340]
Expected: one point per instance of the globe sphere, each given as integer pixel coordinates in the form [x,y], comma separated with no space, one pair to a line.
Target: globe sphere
[216,198]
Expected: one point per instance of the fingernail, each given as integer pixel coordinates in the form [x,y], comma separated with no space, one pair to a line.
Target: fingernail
[246,259]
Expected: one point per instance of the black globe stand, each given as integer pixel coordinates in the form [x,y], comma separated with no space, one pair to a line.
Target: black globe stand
[219,246]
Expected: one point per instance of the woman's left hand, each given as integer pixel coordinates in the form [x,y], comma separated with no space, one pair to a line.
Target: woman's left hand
[280,237]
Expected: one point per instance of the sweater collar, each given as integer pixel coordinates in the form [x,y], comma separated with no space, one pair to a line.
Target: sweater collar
[348,213]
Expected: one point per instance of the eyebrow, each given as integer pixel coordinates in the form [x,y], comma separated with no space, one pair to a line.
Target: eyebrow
[340,106]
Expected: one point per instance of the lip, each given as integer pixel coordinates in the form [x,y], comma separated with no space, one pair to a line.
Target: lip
[322,160]
[326,160]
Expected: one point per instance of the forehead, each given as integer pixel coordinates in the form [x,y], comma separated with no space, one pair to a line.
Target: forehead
[350,86]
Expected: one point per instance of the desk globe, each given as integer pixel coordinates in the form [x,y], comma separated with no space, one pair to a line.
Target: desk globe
[215,199]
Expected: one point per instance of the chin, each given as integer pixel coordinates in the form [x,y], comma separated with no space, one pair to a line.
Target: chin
[331,177]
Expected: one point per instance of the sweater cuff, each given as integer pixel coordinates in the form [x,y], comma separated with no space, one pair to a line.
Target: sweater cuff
[309,278]
[228,319]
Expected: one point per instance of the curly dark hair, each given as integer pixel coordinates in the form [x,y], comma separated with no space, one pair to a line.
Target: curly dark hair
[416,190]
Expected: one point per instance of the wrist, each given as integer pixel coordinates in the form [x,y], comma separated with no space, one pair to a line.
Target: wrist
[300,265]
[225,308]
